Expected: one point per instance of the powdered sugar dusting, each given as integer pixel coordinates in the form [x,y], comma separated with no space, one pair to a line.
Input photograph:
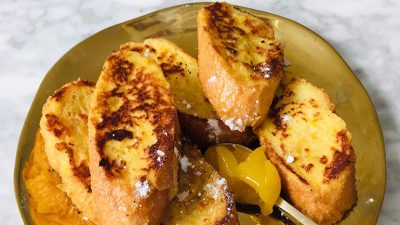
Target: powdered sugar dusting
[290,159]
[214,189]
[230,200]
[160,156]
[212,79]
[181,196]
[286,118]
[221,182]
[184,161]
[215,130]
[188,106]
[234,125]
[176,151]
[146,52]
[160,153]
[142,188]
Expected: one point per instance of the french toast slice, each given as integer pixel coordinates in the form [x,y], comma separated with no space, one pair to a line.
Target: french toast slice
[63,126]
[48,204]
[204,198]
[241,64]
[181,71]
[133,130]
[310,146]
[197,117]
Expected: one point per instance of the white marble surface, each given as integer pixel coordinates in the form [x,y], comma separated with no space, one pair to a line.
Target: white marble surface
[34,34]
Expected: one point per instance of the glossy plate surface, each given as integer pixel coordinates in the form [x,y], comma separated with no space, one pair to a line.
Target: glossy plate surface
[310,56]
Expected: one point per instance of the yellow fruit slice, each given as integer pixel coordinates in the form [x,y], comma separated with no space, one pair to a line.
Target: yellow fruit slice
[251,176]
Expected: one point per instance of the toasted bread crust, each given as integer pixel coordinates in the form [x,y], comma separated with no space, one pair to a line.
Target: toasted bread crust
[310,146]
[324,206]
[238,75]
[48,204]
[197,117]
[133,130]
[63,127]
[54,207]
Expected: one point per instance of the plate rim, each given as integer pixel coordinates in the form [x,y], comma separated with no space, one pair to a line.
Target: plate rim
[17,172]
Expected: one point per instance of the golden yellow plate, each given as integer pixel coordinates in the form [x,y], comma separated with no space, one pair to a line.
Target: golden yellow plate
[311,57]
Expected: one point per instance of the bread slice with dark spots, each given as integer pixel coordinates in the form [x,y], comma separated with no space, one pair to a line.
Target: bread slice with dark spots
[241,64]
[133,130]
[63,127]
[311,147]
[197,117]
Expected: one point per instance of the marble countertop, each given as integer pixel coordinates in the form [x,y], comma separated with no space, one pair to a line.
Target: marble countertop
[35,34]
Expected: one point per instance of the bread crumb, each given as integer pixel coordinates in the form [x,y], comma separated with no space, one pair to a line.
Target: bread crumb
[142,188]
[197,173]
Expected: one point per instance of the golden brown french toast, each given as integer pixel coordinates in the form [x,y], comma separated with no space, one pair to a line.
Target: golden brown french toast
[133,130]
[181,71]
[63,127]
[310,146]
[197,117]
[240,63]
[48,204]
[204,198]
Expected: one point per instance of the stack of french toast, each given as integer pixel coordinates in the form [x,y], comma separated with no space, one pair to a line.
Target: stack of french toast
[128,148]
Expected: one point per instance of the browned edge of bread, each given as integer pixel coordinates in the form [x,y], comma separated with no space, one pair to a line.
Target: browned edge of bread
[132,110]
[208,132]
[240,100]
[323,207]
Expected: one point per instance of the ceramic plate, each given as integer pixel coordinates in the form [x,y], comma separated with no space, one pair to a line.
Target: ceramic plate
[310,56]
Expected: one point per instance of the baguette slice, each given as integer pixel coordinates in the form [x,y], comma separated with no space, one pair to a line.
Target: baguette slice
[310,146]
[48,204]
[204,198]
[63,127]
[133,130]
[51,206]
[197,117]
[240,63]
